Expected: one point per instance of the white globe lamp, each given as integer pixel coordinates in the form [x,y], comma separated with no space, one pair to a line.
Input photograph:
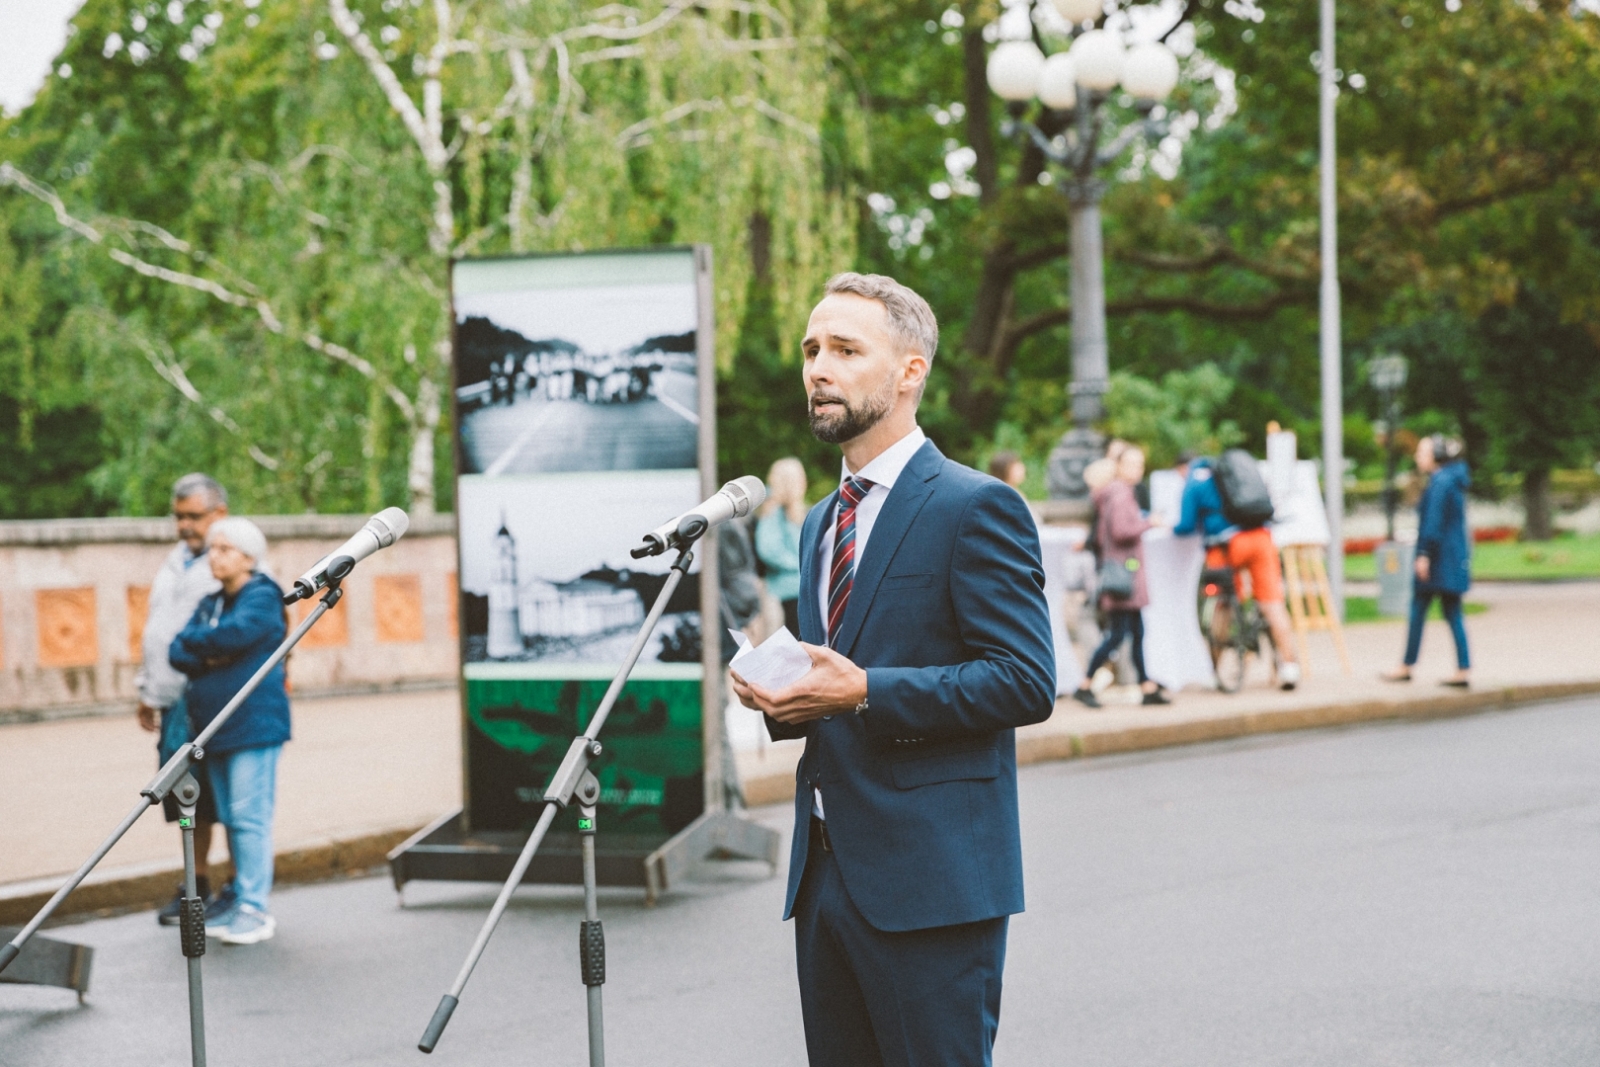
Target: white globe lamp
[1014,69]
[1076,11]
[1150,72]
[1058,83]
[1098,57]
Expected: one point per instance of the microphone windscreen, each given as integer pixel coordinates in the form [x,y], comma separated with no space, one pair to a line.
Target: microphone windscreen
[754,494]
[396,520]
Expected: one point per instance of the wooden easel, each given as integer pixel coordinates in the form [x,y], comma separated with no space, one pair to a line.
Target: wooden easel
[1305,577]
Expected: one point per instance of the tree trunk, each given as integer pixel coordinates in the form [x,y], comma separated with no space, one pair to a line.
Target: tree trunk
[1536,525]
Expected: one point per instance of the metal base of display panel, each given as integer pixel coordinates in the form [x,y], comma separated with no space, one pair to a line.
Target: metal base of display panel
[444,852]
[46,961]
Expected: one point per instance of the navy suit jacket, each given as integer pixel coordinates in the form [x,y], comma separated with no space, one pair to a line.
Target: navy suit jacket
[948,617]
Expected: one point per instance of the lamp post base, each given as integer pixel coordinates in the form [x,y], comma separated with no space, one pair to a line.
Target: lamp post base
[1078,447]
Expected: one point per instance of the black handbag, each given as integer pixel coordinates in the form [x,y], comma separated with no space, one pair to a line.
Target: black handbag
[1116,578]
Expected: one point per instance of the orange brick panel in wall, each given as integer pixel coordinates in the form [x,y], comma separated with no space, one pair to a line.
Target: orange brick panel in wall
[138,612]
[331,631]
[68,636]
[397,606]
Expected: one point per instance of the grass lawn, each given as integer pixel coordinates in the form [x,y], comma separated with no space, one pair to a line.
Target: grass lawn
[1365,609]
[1512,561]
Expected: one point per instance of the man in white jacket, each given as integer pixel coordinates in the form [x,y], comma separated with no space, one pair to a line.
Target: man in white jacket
[183,581]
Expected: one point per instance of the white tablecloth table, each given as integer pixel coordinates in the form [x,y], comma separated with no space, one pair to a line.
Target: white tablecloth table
[1175,652]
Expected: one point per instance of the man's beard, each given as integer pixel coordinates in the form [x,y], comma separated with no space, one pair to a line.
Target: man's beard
[853,421]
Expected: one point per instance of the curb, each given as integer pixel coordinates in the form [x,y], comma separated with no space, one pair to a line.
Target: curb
[151,885]
[779,788]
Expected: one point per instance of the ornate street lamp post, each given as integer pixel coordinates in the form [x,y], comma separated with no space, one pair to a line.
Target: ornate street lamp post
[1072,88]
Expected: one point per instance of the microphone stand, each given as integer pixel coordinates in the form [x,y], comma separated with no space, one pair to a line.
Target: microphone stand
[573,777]
[175,778]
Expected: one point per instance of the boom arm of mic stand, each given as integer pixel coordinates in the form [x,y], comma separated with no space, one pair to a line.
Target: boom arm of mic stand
[166,779]
[584,748]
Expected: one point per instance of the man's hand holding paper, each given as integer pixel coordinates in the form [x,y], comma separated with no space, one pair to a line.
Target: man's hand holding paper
[795,682]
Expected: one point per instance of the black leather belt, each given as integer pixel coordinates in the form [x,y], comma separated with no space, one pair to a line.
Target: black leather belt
[819,834]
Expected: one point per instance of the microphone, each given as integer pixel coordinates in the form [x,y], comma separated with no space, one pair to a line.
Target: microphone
[733,501]
[381,531]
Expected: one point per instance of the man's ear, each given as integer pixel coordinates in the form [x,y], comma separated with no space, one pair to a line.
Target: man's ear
[916,369]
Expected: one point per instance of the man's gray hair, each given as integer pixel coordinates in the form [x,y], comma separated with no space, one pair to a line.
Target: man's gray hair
[196,484]
[911,320]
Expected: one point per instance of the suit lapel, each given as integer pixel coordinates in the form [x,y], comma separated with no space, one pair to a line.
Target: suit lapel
[810,548]
[911,491]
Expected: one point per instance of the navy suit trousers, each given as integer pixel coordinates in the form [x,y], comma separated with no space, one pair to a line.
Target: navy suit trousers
[870,998]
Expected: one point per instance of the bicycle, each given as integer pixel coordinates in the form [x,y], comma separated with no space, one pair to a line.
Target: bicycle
[1234,629]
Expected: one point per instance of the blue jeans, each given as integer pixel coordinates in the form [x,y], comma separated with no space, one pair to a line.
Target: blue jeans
[1121,624]
[244,783]
[1421,600]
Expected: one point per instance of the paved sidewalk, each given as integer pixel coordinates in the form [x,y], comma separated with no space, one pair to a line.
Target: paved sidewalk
[364,771]
[361,771]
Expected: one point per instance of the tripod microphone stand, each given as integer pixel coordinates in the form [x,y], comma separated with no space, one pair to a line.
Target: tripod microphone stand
[175,779]
[573,778]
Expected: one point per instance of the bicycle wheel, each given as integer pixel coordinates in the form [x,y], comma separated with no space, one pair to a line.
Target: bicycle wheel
[1254,638]
[1227,654]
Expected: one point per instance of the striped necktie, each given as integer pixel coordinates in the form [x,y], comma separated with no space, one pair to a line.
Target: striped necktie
[851,493]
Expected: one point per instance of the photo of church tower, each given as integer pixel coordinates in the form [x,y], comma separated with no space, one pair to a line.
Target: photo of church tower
[505,635]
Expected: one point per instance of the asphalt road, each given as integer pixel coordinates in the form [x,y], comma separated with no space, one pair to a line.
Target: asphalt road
[1413,894]
[535,435]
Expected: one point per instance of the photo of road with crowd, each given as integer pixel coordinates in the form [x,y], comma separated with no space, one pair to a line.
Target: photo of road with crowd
[537,395]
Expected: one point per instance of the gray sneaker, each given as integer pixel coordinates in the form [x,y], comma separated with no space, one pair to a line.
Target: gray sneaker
[250,926]
[218,923]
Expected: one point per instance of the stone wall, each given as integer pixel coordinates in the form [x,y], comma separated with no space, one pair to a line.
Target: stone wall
[73,594]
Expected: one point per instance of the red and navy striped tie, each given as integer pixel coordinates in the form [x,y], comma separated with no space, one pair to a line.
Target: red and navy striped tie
[851,493]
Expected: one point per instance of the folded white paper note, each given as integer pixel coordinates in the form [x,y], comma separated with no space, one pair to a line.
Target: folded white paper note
[776,663]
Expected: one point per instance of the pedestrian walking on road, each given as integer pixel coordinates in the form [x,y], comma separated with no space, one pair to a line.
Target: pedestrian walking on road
[1119,533]
[231,634]
[1444,553]
[184,580]
[778,536]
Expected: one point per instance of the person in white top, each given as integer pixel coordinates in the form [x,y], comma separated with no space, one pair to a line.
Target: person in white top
[184,580]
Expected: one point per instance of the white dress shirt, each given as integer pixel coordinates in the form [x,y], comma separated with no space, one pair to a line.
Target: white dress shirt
[882,472]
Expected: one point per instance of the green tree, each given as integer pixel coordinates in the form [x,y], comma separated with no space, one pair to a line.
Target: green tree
[286,307]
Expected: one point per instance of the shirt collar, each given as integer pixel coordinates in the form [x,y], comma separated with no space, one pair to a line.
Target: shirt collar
[888,464]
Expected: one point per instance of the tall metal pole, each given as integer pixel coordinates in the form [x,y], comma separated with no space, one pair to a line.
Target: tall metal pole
[1091,364]
[1332,365]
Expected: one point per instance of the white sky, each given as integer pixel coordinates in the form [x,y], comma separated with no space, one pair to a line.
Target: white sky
[599,319]
[31,35]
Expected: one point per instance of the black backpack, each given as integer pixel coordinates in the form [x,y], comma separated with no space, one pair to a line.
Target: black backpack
[1246,502]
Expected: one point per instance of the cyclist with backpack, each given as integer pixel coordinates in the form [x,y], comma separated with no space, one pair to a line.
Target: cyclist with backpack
[1226,501]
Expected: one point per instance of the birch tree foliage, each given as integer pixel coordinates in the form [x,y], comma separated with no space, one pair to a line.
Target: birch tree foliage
[279,312]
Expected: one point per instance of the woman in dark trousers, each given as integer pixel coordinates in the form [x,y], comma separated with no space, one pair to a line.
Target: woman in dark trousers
[232,633]
[1119,531]
[1444,553]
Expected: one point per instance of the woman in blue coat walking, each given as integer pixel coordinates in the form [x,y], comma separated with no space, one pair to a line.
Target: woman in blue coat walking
[1444,552]
[231,634]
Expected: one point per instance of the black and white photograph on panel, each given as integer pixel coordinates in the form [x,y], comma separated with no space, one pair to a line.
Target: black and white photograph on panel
[577,363]
[546,577]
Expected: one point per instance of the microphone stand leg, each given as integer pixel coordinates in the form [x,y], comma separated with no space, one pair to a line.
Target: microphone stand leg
[192,920]
[591,937]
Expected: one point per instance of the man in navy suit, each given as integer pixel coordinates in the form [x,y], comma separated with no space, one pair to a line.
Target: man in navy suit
[922,607]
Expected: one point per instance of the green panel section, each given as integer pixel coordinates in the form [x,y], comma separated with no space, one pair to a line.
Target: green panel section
[574,271]
[650,772]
